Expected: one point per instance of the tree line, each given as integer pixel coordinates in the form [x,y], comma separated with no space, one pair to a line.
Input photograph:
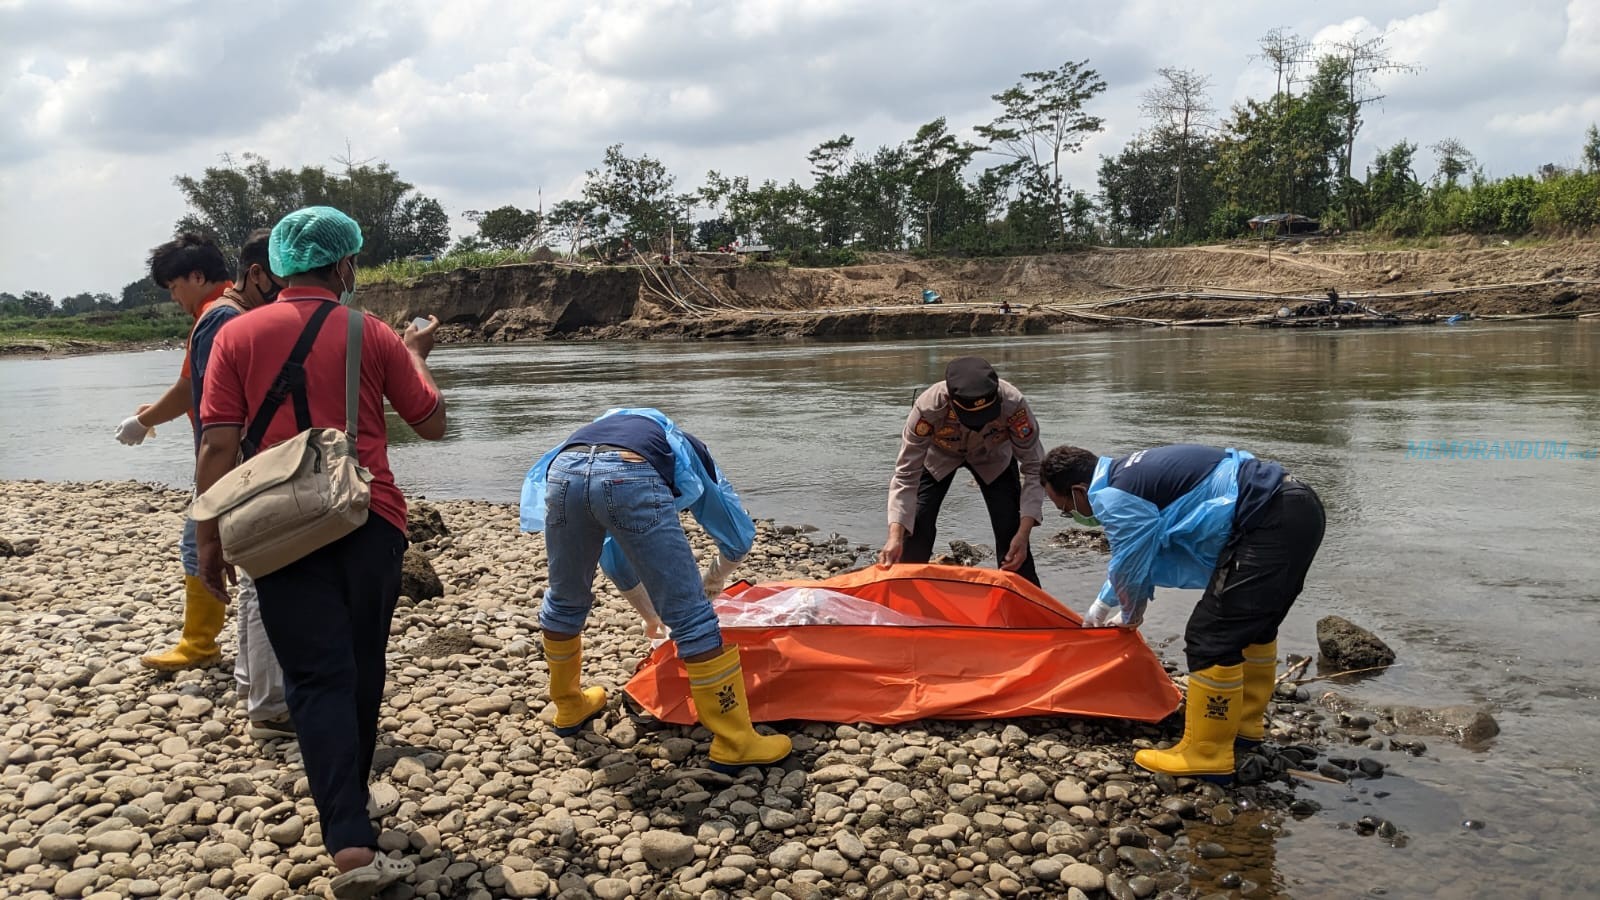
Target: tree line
[1188,175]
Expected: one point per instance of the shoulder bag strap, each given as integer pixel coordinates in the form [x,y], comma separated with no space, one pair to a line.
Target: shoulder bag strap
[352,375]
[291,381]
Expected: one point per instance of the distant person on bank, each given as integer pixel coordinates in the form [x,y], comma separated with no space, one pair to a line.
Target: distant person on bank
[1191,516]
[327,614]
[619,482]
[971,420]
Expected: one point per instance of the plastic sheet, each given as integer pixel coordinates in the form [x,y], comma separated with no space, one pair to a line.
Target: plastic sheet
[800,606]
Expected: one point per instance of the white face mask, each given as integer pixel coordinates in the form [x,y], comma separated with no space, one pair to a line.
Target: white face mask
[348,295]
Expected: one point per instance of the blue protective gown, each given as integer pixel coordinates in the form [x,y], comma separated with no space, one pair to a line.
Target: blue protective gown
[708,496]
[1176,547]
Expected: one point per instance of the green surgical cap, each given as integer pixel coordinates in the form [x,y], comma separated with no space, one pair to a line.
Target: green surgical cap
[311,238]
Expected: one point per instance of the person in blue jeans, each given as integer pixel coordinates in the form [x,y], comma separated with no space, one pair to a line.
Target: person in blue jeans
[619,481]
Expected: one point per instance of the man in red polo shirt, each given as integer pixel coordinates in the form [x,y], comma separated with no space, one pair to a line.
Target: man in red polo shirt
[328,613]
[192,269]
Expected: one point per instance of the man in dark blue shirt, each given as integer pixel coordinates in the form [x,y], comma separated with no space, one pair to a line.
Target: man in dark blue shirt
[622,479]
[1191,516]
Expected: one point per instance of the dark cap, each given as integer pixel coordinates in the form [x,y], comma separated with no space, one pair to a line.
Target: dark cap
[974,390]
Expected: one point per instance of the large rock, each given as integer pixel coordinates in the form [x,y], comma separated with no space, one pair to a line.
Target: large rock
[1470,725]
[417,578]
[423,522]
[1349,646]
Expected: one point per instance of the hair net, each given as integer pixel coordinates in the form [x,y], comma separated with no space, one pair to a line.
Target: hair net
[311,238]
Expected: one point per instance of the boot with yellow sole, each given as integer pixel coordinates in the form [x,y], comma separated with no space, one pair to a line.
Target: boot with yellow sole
[203,615]
[575,705]
[717,686]
[1211,722]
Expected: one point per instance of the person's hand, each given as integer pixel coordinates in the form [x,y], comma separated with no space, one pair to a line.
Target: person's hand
[420,340]
[1101,615]
[132,432]
[716,574]
[1017,553]
[893,549]
[215,573]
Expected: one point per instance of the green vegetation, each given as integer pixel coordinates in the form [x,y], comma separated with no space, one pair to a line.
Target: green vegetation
[232,200]
[405,271]
[121,327]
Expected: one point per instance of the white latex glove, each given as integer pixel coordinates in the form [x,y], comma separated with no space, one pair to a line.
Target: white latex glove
[639,599]
[1102,615]
[716,575]
[132,432]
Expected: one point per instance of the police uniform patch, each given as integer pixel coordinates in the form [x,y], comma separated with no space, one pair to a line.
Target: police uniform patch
[923,428]
[1021,425]
[949,433]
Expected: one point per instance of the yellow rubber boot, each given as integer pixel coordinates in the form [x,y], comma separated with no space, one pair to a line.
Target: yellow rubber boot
[1210,723]
[717,686]
[202,622]
[1260,677]
[575,705]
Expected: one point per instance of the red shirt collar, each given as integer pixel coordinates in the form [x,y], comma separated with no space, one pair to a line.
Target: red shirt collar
[307,293]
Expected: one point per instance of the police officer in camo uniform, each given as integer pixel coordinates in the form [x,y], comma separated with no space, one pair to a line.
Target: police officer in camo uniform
[976,421]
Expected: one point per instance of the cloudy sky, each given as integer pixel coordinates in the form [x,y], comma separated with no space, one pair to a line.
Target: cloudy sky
[486,102]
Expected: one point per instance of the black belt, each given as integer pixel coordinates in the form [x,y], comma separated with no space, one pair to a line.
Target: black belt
[597,448]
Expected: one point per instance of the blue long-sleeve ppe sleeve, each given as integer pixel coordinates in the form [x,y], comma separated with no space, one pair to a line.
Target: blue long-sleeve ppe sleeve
[534,485]
[702,489]
[1177,546]
[1134,528]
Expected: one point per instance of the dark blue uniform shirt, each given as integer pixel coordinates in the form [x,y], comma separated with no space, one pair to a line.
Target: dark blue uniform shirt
[1163,474]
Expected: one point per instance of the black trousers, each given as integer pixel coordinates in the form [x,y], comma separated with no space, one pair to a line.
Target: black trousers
[1259,577]
[1002,496]
[327,616]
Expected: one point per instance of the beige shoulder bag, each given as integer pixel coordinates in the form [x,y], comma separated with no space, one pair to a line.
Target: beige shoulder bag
[279,505]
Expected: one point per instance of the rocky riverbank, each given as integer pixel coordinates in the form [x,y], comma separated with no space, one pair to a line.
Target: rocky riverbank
[116,781]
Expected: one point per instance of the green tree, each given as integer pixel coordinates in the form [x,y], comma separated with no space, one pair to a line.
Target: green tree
[577,224]
[1180,107]
[633,199]
[934,161]
[233,199]
[1358,60]
[1591,148]
[507,227]
[396,222]
[35,304]
[78,304]
[1137,188]
[829,200]
[1392,189]
[141,293]
[1042,119]
[1454,160]
[881,194]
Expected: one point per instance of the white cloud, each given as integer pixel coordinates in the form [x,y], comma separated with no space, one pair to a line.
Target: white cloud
[484,102]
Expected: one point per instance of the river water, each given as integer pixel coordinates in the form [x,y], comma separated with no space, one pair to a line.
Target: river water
[1476,561]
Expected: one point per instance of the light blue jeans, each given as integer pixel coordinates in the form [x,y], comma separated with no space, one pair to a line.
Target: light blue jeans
[189,549]
[594,494]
